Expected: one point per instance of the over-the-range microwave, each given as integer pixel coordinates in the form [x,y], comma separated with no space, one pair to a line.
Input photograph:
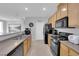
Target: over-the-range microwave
[62,23]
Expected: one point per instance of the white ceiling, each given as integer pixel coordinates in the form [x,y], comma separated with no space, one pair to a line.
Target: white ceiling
[17,10]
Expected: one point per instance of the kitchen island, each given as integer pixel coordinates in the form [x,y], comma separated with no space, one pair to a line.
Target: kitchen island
[15,43]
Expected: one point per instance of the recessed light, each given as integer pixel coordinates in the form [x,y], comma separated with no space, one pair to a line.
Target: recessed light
[44,9]
[64,9]
[26,9]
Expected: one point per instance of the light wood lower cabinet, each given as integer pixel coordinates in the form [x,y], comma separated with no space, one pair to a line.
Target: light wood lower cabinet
[72,53]
[63,50]
[49,40]
[27,45]
[29,42]
[66,51]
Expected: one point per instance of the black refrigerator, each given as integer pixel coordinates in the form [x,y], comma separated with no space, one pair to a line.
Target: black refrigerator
[47,30]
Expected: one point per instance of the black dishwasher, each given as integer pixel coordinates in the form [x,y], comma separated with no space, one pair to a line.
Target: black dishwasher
[18,51]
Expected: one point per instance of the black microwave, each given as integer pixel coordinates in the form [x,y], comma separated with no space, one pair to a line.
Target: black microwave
[62,23]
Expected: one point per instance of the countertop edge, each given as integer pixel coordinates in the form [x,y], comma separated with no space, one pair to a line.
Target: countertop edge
[12,48]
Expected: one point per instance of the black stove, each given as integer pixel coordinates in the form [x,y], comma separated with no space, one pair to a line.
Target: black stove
[55,42]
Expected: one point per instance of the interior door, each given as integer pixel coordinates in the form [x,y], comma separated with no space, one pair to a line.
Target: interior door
[39,30]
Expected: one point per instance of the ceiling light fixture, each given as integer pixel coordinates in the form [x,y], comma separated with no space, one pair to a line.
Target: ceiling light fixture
[64,9]
[26,9]
[44,9]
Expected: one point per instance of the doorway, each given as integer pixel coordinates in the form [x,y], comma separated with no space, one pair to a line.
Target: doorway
[39,31]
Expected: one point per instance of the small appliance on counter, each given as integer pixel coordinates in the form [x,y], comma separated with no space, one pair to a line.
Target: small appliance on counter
[27,31]
[54,32]
[73,39]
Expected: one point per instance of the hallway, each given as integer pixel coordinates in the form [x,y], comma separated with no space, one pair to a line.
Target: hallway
[38,48]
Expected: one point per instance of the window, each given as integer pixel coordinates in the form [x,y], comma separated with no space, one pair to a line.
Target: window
[1,27]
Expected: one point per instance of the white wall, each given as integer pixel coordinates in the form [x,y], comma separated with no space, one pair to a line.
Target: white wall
[33,29]
[26,25]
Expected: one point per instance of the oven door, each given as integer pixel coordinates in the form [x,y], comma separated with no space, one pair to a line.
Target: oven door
[55,48]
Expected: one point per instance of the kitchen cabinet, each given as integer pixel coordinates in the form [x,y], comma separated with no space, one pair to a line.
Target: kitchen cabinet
[72,53]
[49,40]
[29,42]
[73,12]
[50,20]
[27,45]
[66,9]
[67,51]
[63,50]
[58,14]
[63,9]
[54,20]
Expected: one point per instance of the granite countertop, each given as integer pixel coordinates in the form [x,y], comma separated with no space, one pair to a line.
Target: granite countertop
[5,36]
[7,46]
[71,45]
[10,33]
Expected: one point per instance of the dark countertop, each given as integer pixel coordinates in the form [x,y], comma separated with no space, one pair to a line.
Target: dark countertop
[7,46]
[71,45]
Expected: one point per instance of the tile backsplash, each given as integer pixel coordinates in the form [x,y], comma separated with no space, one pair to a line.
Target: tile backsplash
[75,31]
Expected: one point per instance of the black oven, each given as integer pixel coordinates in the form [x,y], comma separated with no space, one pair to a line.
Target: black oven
[55,42]
[55,47]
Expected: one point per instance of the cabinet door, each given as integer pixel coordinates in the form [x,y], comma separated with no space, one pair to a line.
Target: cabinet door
[63,50]
[53,20]
[25,47]
[72,53]
[58,15]
[50,20]
[29,42]
[73,12]
[63,9]
[49,40]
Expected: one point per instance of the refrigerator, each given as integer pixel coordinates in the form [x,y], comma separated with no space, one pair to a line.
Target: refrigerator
[47,30]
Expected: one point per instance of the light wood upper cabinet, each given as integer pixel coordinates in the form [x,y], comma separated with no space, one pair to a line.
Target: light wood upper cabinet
[50,20]
[54,20]
[58,14]
[67,9]
[63,9]
[73,14]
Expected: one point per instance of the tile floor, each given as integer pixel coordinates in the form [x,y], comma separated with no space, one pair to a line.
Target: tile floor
[38,48]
